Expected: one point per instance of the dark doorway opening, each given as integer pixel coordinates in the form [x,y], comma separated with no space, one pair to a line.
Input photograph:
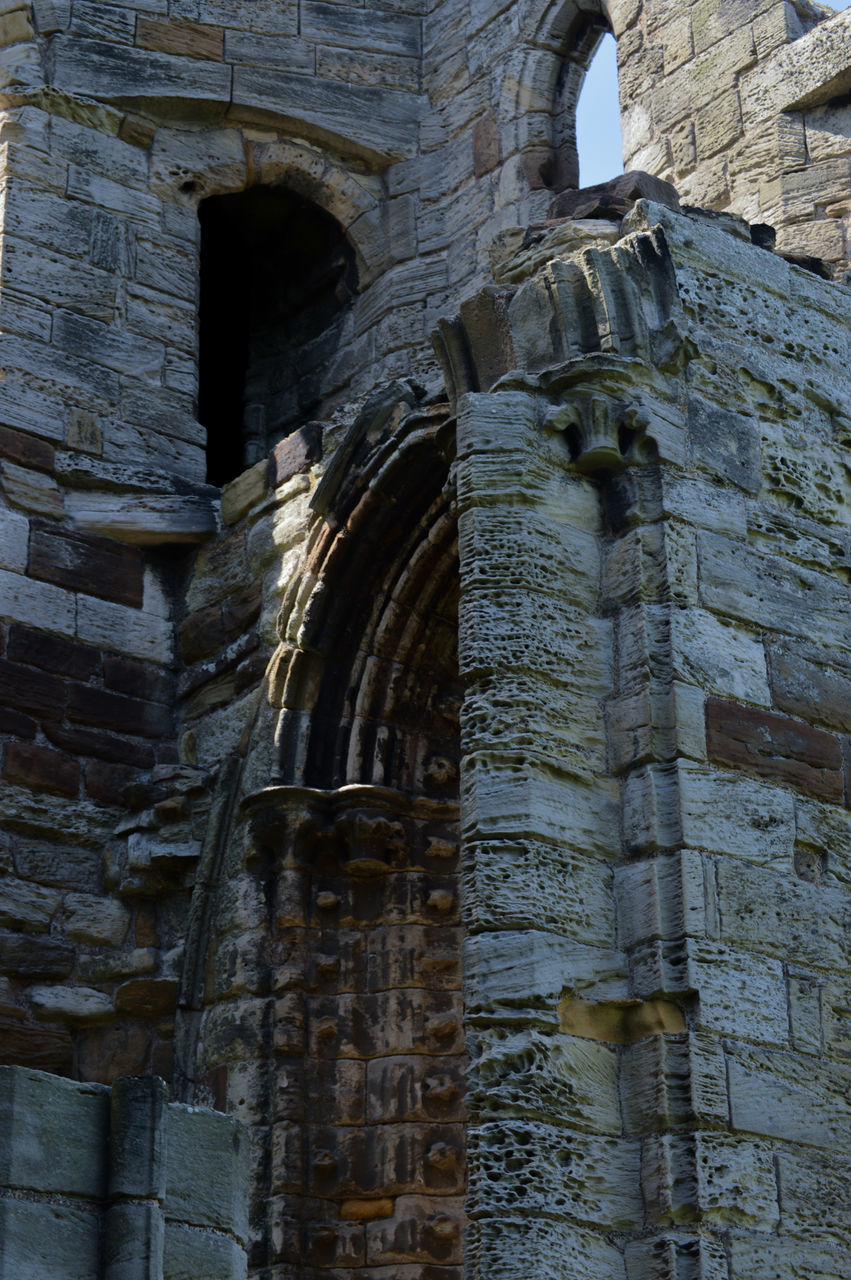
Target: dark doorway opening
[277,276]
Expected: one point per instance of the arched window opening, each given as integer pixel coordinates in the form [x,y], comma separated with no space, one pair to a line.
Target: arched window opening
[585,112]
[599,142]
[277,275]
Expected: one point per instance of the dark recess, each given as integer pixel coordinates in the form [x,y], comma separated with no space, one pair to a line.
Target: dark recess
[277,274]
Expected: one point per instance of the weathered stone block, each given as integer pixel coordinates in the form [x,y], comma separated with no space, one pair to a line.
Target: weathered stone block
[189,39]
[191,1252]
[537,1074]
[70,1004]
[53,1137]
[530,970]
[770,912]
[775,747]
[206,1171]
[421,1230]
[557,1173]
[725,444]
[553,1247]
[46,1240]
[41,769]
[781,1095]
[812,683]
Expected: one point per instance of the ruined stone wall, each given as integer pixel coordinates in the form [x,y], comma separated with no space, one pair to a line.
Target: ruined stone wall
[233,847]
[686,841]
[744,108]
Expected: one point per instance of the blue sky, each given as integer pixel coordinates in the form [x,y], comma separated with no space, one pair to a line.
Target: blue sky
[598,128]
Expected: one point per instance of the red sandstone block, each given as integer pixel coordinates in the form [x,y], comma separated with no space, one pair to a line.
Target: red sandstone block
[147,997]
[105,782]
[41,769]
[92,565]
[36,692]
[28,1044]
[14,724]
[53,653]
[106,710]
[138,679]
[775,747]
[295,454]
[241,609]
[102,746]
[26,450]
[200,634]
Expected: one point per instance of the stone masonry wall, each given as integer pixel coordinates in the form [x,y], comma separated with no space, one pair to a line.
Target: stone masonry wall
[700,800]
[116,1184]
[647,881]
[744,108]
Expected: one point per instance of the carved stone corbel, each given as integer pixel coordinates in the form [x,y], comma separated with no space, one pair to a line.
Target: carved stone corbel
[601,433]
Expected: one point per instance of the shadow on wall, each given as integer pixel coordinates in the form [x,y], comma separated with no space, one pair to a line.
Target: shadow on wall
[277,275]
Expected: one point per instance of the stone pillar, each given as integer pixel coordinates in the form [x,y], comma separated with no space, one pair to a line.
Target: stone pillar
[134,1229]
[541,833]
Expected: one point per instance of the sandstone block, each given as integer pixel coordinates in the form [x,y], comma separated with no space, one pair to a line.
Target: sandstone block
[121,71]
[95,566]
[414,1088]
[769,912]
[14,538]
[95,920]
[146,997]
[32,491]
[795,1259]
[774,747]
[200,1140]
[54,1135]
[46,1240]
[811,683]
[295,454]
[25,450]
[189,39]
[30,1044]
[103,709]
[70,1004]
[189,1253]
[535,1074]
[52,653]
[790,1097]
[421,1230]
[132,1241]
[553,1246]
[726,813]
[41,769]
[129,632]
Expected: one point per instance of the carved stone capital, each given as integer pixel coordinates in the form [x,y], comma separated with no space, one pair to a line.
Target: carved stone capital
[600,432]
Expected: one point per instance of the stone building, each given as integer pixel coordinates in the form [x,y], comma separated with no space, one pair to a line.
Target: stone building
[424,666]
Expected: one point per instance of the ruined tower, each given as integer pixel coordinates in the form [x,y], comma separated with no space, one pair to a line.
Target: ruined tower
[424,656]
